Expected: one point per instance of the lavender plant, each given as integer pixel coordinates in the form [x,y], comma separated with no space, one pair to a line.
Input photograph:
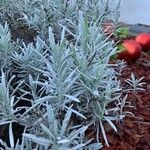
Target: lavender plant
[97,78]
[6,46]
[90,83]
[8,100]
[41,14]
[26,58]
[9,12]
[58,135]
[65,75]
[135,84]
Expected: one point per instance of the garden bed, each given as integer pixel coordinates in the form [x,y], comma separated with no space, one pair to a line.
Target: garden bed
[134,132]
[62,86]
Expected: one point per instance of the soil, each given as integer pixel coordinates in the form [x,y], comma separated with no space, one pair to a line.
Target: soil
[134,131]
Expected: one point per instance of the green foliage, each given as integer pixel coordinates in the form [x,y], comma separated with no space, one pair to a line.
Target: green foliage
[121,32]
[26,58]
[135,84]
[62,83]
[6,46]
[6,100]
[58,135]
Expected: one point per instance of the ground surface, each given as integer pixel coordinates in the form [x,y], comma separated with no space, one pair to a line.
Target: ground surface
[134,132]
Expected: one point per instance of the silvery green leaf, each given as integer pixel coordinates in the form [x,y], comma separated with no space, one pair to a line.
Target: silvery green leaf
[83,26]
[96,93]
[65,122]
[11,136]
[94,146]
[3,143]
[63,141]
[75,134]
[50,114]
[38,140]
[70,83]
[18,86]
[39,101]
[44,84]
[3,78]
[3,122]
[12,102]
[47,131]
[56,128]
[40,119]
[51,39]
[130,113]
[103,133]
[97,133]
[69,31]
[135,83]
[45,98]
[79,146]
[76,112]
[62,35]
[110,123]
[72,98]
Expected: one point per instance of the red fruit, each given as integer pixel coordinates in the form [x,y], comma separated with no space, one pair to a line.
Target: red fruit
[144,40]
[131,52]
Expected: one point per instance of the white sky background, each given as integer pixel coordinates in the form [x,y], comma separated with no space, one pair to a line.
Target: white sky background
[135,11]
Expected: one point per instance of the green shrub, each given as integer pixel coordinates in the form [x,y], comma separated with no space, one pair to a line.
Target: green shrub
[64,81]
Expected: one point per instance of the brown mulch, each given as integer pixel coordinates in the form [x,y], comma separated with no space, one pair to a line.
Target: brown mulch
[134,131]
